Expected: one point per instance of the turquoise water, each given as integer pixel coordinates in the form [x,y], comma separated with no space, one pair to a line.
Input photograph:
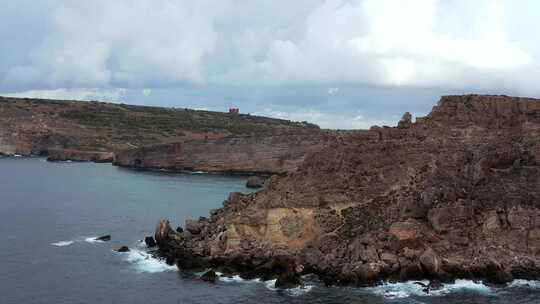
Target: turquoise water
[50,212]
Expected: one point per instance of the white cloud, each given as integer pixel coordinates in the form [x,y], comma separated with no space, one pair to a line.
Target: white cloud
[72,94]
[151,44]
[332,91]
[146,92]
[328,120]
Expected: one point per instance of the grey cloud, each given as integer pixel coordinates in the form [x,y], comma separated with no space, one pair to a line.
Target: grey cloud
[272,57]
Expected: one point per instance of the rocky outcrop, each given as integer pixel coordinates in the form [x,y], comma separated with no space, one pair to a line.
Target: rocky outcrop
[82,156]
[267,154]
[455,194]
[123,249]
[255,182]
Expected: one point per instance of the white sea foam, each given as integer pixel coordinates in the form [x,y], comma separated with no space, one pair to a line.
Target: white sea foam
[411,288]
[62,243]
[525,284]
[145,262]
[270,284]
[297,291]
[92,239]
[196,172]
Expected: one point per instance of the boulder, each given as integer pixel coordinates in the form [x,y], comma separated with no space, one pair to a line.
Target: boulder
[123,249]
[491,221]
[193,226]
[519,218]
[407,233]
[288,279]
[254,182]
[406,121]
[209,276]
[150,242]
[164,232]
[103,238]
[431,262]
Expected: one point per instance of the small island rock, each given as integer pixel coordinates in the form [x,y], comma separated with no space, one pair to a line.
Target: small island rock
[255,182]
[103,238]
[123,249]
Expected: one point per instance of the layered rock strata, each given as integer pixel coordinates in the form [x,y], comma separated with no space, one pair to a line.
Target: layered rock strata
[455,194]
[77,155]
[272,154]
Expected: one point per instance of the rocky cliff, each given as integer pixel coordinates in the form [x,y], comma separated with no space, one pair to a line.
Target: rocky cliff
[455,194]
[262,154]
[37,126]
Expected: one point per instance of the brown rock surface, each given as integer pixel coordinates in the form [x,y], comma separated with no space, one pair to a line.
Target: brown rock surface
[455,194]
[276,153]
[77,155]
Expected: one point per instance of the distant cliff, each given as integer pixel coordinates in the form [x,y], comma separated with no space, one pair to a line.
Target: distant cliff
[280,153]
[455,194]
[85,129]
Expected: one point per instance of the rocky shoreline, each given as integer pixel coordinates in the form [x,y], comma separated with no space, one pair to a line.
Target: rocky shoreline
[455,194]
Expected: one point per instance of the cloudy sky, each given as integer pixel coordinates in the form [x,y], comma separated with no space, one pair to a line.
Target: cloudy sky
[338,63]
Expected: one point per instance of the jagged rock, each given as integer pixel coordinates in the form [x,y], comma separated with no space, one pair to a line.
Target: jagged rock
[492,221]
[431,262]
[254,182]
[193,226]
[288,279]
[163,233]
[123,249]
[209,276]
[150,242]
[179,229]
[519,218]
[103,238]
[389,258]
[406,121]
[408,233]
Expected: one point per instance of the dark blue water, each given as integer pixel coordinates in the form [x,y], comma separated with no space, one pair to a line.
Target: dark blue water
[49,212]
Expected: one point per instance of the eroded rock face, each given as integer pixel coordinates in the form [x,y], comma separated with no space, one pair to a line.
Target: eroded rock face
[267,154]
[77,155]
[455,194]
[255,182]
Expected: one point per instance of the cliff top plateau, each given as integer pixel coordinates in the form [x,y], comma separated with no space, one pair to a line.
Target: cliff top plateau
[34,126]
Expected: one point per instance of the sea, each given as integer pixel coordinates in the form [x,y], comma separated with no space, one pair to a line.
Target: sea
[51,213]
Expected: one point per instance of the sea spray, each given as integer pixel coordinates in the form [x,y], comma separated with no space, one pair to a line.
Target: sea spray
[146,262]
[62,243]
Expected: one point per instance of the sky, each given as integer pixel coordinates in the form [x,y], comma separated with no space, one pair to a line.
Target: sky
[342,64]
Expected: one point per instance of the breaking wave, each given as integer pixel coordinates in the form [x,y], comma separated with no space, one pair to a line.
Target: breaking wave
[92,239]
[525,284]
[145,262]
[62,243]
[270,284]
[412,288]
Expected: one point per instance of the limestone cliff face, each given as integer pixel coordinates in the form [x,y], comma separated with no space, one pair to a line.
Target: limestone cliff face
[77,155]
[279,153]
[454,194]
